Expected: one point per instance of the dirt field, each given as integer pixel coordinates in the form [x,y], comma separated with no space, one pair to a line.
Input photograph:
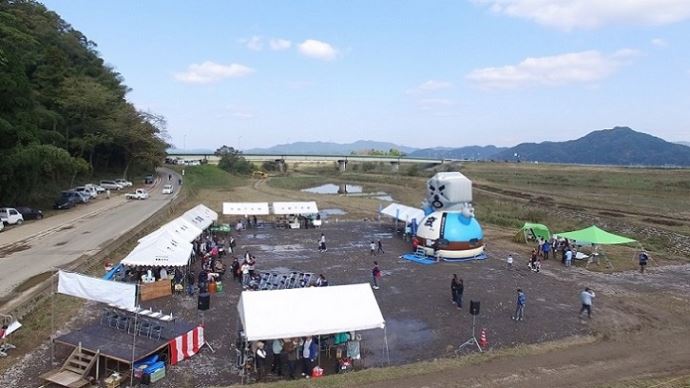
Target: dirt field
[640,328]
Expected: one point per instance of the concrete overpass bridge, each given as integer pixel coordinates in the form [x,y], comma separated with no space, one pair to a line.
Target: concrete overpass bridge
[342,160]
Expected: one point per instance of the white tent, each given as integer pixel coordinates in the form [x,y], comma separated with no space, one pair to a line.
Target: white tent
[295,208]
[245,208]
[340,309]
[179,227]
[163,251]
[403,213]
[200,216]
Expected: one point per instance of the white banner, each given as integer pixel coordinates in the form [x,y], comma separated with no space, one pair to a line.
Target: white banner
[104,291]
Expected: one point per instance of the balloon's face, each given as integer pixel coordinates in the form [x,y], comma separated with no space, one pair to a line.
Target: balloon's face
[436,195]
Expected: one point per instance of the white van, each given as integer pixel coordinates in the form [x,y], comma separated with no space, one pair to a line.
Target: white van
[11,216]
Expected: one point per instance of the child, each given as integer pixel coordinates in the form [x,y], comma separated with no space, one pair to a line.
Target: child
[509,260]
[372,249]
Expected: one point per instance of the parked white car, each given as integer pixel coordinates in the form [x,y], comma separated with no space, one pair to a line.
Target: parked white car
[124,182]
[111,185]
[138,194]
[90,191]
[168,189]
[96,187]
[11,216]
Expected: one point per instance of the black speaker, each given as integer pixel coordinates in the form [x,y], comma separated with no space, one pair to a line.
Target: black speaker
[204,301]
[474,307]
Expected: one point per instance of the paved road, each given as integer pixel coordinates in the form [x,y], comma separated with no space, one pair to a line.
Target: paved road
[52,245]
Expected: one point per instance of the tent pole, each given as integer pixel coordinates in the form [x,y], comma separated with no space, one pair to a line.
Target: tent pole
[385,341]
[134,335]
[52,320]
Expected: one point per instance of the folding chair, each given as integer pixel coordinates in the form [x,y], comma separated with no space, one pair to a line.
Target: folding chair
[123,322]
[157,331]
[144,328]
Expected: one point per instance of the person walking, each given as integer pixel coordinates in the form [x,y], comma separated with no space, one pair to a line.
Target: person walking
[509,261]
[643,261]
[520,305]
[372,249]
[376,275]
[322,243]
[107,193]
[586,297]
[380,247]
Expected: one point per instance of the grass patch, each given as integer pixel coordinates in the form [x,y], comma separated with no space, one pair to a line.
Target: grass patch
[667,382]
[373,375]
[210,177]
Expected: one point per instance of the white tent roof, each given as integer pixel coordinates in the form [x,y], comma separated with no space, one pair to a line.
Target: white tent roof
[245,208]
[403,213]
[200,216]
[295,208]
[340,309]
[165,250]
[179,227]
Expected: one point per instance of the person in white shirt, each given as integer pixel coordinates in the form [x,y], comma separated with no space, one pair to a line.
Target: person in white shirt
[586,297]
[509,260]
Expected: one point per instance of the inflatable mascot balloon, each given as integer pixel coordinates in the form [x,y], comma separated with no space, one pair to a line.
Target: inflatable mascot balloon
[449,230]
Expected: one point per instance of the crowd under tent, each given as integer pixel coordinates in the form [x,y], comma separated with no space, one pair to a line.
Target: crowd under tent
[595,236]
[245,208]
[303,208]
[165,250]
[179,227]
[341,309]
[532,231]
[201,216]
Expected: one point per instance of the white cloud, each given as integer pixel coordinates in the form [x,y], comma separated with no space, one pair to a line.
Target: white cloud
[430,86]
[209,72]
[279,44]
[255,43]
[588,14]
[659,42]
[317,49]
[586,67]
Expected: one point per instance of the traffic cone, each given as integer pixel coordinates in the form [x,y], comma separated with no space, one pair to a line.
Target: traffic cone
[483,342]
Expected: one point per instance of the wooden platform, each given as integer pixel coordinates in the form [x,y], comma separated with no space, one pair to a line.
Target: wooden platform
[65,378]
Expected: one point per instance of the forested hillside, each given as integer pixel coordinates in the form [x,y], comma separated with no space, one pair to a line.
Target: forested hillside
[63,112]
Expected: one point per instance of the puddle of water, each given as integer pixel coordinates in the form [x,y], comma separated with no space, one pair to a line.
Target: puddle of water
[331,188]
[403,334]
[386,197]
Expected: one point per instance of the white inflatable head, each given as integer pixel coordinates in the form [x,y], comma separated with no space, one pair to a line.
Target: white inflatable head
[448,191]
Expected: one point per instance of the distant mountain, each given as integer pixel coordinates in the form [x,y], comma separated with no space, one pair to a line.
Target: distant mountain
[469,152]
[685,143]
[617,146]
[327,148]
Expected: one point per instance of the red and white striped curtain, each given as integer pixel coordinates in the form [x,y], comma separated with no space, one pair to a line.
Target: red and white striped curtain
[186,345]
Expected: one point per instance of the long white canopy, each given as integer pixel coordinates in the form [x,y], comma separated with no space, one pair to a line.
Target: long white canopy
[179,227]
[340,309]
[245,208]
[403,213]
[163,251]
[200,216]
[295,208]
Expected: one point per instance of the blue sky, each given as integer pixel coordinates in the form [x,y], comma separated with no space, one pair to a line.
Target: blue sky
[419,73]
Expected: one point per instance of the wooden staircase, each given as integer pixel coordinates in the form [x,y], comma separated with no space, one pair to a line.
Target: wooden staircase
[75,370]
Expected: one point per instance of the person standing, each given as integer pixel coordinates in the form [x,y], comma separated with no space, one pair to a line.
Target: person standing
[290,348]
[459,292]
[586,297]
[545,247]
[260,361]
[380,247]
[277,349]
[520,305]
[568,257]
[454,289]
[509,261]
[643,261]
[322,243]
[372,249]
[376,275]
[321,281]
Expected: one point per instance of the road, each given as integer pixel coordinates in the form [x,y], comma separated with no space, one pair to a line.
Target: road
[59,240]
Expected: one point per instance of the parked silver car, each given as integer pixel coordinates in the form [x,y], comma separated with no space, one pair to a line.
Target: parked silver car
[111,185]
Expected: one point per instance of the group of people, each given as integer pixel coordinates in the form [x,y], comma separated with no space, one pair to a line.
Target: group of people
[244,272]
[289,357]
[376,247]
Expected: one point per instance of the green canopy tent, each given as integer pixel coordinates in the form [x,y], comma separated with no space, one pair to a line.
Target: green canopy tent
[533,231]
[596,236]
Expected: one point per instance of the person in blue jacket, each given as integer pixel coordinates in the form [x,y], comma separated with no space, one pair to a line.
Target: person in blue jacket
[520,306]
